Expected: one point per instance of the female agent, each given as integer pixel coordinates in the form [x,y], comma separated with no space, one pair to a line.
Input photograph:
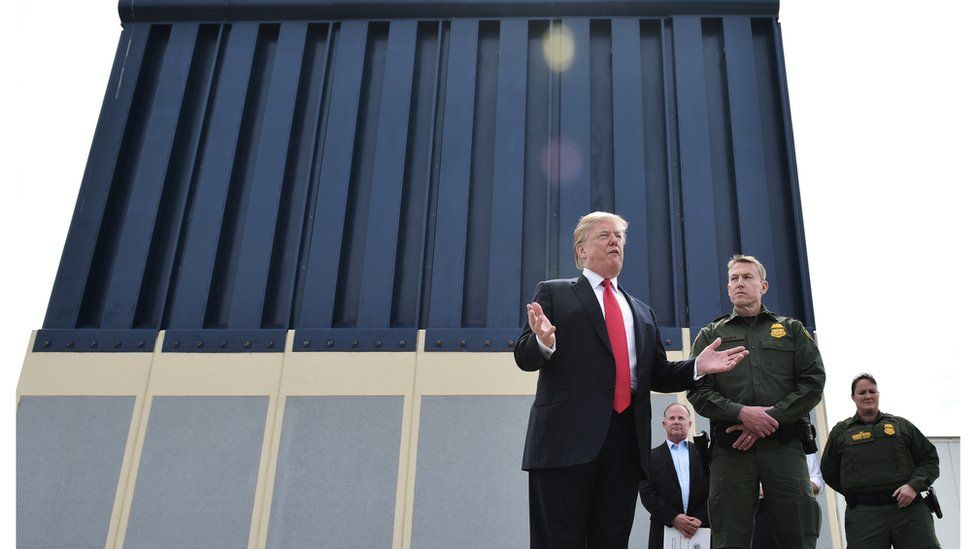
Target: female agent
[880,463]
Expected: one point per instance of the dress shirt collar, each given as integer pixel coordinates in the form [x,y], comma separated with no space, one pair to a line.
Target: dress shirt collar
[673,445]
[596,281]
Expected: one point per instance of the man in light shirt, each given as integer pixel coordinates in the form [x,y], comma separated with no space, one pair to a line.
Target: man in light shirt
[676,494]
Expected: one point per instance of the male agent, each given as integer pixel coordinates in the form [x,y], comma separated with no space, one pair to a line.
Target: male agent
[676,492]
[754,411]
[588,438]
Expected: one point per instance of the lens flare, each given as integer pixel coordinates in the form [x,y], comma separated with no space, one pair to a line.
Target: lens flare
[558,48]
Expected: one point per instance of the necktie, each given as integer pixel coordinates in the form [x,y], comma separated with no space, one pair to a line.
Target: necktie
[618,342]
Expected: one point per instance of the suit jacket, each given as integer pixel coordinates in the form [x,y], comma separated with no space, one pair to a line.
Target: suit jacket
[574,394]
[661,493]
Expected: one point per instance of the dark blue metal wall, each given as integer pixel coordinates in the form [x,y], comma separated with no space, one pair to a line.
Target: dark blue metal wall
[421,167]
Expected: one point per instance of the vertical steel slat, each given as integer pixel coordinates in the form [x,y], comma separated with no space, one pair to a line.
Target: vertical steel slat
[386,193]
[804,290]
[574,141]
[289,249]
[79,247]
[193,282]
[126,277]
[328,219]
[450,233]
[507,189]
[751,183]
[630,195]
[257,241]
[678,266]
[701,246]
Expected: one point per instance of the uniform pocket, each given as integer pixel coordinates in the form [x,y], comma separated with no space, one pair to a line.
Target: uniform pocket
[551,397]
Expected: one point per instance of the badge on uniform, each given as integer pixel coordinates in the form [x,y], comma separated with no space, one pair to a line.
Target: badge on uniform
[863,435]
[889,429]
[777,330]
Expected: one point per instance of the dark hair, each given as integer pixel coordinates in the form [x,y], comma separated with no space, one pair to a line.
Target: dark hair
[676,404]
[868,377]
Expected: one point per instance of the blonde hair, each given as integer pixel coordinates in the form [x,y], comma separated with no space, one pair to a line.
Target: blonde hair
[587,222]
[740,258]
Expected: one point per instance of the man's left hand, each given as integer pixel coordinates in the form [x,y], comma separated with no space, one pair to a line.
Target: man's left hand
[712,361]
[905,495]
[746,438]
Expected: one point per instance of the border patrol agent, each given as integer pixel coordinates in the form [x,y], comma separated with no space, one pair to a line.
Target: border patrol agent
[754,411]
[880,463]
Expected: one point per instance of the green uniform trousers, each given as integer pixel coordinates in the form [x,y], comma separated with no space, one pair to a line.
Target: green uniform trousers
[734,492]
[884,526]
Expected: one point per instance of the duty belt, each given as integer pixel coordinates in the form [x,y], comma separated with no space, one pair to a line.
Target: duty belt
[784,434]
[875,499]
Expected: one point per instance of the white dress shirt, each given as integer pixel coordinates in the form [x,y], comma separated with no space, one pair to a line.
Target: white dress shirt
[596,283]
[682,466]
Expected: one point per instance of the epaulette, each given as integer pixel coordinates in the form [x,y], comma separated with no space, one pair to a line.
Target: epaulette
[718,318]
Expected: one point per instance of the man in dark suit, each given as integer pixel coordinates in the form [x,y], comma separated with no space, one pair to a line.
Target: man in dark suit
[588,439]
[676,492]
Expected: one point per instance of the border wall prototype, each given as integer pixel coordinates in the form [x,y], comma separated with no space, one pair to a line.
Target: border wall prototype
[306,232]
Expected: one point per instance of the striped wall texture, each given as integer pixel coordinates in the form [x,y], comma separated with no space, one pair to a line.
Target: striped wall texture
[371,173]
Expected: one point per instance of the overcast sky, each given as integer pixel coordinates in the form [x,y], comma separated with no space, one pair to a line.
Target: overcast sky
[883,113]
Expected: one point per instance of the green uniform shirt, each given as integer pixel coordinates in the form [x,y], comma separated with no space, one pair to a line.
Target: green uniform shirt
[886,466]
[783,370]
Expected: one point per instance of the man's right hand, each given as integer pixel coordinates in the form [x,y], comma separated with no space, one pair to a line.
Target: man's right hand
[686,525]
[758,420]
[541,327]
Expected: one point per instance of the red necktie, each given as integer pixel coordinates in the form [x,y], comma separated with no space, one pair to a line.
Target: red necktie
[618,342]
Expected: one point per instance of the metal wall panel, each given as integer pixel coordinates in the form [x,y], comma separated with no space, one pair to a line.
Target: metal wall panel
[468,473]
[69,457]
[336,476]
[365,178]
[198,472]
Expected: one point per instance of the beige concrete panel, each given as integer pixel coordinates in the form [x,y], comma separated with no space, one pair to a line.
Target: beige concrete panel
[411,438]
[80,374]
[357,374]
[448,373]
[130,467]
[94,374]
[831,497]
[215,374]
[264,487]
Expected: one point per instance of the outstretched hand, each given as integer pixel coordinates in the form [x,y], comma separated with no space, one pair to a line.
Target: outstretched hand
[541,327]
[712,361]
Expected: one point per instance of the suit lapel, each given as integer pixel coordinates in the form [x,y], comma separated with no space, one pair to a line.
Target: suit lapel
[674,470]
[593,311]
[693,466]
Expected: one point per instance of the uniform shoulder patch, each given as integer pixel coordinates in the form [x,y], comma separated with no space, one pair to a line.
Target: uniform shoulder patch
[806,333]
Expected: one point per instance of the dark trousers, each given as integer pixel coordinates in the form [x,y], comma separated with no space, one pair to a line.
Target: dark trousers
[762,535]
[590,505]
